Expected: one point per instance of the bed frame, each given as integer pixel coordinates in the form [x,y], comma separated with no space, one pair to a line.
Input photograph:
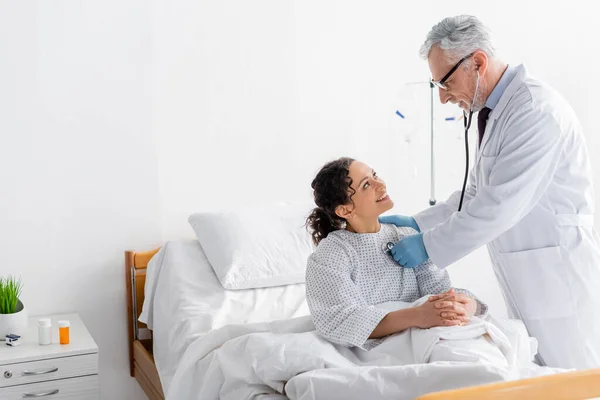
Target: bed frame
[139,337]
[568,386]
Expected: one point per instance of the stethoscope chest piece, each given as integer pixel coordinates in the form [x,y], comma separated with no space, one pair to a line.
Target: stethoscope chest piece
[387,248]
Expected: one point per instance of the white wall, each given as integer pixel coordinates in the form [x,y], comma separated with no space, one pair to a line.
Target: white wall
[250,99]
[118,119]
[78,172]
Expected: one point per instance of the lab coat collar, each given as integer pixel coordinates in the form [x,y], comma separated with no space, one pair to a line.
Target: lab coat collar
[521,74]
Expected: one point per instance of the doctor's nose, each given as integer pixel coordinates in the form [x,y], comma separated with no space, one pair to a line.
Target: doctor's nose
[444,96]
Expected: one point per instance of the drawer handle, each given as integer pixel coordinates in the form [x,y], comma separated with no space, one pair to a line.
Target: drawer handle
[42,394]
[40,371]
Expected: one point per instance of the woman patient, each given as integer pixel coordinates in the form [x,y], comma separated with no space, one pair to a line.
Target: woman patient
[351,271]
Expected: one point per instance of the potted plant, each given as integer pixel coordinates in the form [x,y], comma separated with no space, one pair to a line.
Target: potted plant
[13,315]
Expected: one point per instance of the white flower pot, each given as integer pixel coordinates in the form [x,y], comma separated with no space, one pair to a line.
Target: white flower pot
[14,323]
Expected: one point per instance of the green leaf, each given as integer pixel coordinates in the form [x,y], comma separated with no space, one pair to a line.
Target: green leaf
[10,291]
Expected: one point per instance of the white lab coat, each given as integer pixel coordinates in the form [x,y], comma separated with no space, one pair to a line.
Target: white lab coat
[530,199]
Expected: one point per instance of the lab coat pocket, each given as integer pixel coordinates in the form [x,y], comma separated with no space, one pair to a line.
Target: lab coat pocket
[485,168]
[538,282]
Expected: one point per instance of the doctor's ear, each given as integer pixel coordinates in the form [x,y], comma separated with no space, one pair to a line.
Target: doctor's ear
[481,62]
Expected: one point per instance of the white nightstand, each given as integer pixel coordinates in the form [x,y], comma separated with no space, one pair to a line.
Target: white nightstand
[53,371]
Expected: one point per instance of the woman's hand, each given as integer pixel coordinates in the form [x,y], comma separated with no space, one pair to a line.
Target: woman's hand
[429,315]
[455,305]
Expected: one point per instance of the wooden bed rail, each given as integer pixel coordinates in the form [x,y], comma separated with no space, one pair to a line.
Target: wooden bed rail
[135,279]
[141,360]
[576,385]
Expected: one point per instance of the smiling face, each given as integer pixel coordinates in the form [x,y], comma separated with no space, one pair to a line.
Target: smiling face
[368,194]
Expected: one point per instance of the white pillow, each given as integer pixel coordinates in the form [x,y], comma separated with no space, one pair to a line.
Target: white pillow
[257,246]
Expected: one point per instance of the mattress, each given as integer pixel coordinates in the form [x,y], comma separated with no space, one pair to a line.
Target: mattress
[184,300]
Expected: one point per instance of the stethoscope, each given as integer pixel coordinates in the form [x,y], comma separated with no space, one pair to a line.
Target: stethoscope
[467,119]
[467,125]
[387,248]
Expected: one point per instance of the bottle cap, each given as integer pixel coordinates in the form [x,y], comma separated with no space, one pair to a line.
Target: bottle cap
[63,324]
[44,321]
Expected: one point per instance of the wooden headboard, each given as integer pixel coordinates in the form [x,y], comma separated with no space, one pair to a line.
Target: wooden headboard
[135,279]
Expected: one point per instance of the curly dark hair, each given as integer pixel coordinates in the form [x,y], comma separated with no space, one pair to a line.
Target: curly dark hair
[331,188]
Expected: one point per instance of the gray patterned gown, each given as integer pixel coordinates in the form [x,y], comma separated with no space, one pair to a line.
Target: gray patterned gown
[350,273]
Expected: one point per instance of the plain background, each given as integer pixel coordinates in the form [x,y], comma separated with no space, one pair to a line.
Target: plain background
[120,118]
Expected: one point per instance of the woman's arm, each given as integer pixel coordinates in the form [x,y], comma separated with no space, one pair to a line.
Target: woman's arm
[394,322]
[427,315]
[339,311]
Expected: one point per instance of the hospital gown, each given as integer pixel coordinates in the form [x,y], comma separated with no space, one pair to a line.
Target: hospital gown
[350,273]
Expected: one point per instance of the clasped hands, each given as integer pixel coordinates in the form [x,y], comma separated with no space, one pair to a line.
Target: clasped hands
[446,309]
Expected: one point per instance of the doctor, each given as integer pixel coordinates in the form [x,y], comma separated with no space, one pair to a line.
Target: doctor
[529,197]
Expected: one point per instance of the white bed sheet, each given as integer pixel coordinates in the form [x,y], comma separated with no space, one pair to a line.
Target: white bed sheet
[289,360]
[184,300]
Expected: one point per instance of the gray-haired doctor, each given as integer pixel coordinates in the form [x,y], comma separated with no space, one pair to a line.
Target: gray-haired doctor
[529,197]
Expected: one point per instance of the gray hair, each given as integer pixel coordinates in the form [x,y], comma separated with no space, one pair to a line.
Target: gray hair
[459,36]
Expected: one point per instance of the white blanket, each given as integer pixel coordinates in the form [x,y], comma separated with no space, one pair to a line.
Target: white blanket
[185,300]
[289,359]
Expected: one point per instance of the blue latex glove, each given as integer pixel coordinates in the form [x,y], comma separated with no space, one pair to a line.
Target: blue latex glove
[400,221]
[410,251]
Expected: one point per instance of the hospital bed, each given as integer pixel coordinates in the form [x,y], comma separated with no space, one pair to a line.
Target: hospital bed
[188,302]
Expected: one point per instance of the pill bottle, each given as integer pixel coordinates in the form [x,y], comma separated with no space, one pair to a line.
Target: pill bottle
[44,331]
[63,331]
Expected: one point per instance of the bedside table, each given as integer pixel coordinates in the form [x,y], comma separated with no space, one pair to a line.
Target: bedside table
[53,371]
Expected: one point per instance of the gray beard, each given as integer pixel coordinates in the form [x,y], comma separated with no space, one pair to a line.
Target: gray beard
[479,102]
[478,107]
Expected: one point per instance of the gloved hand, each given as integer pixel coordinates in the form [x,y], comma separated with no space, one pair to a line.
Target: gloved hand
[400,221]
[410,251]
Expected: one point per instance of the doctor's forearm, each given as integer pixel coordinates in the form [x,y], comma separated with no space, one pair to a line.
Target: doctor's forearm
[465,232]
[511,187]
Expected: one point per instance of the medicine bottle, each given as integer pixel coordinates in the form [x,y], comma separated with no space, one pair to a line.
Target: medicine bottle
[44,331]
[63,331]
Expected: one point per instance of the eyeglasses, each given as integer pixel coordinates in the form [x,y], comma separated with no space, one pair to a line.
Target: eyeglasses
[442,82]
